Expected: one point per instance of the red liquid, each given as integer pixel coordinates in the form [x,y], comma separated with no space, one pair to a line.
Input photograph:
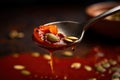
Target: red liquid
[40,68]
[51,62]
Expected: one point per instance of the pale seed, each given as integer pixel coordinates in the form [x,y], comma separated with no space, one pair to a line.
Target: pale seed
[105,64]
[35,54]
[68,40]
[92,79]
[72,38]
[46,56]
[99,68]
[67,53]
[109,18]
[19,67]
[25,72]
[115,69]
[20,35]
[116,75]
[13,34]
[112,62]
[88,68]
[51,37]
[76,65]
[15,55]
[115,79]
[114,17]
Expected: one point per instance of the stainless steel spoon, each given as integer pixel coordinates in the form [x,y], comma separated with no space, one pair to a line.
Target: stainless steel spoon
[76,29]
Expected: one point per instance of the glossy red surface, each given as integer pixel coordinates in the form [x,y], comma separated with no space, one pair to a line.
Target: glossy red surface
[40,69]
[25,20]
[41,39]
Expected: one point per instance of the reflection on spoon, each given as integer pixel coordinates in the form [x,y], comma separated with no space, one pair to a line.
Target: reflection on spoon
[72,28]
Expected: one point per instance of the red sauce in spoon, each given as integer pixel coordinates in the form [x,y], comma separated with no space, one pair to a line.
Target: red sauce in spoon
[99,64]
[49,37]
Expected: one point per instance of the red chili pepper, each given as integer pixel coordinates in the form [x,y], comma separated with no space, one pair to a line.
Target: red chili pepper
[49,29]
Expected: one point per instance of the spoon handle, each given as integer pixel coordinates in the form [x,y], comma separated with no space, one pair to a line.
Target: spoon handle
[97,18]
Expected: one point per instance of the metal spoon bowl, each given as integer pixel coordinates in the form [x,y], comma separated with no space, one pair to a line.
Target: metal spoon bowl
[76,29]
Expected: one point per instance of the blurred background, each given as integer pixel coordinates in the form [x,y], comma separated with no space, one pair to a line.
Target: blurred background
[9,3]
[21,16]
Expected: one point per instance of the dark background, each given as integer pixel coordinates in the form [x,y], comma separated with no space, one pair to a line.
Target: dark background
[8,3]
[25,15]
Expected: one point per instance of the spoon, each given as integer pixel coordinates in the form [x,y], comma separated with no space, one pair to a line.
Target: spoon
[76,29]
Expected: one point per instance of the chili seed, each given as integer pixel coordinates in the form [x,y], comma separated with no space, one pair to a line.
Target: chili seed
[112,62]
[13,34]
[46,56]
[25,72]
[116,75]
[115,68]
[67,53]
[88,68]
[115,79]
[105,64]
[92,79]
[72,38]
[51,37]
[68,40]
[76,65]
[109,18]
[19,67]
[114,17]
[35,54]
[100,68]
[20,35]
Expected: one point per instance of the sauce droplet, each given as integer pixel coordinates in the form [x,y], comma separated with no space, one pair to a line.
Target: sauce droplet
[51,61]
